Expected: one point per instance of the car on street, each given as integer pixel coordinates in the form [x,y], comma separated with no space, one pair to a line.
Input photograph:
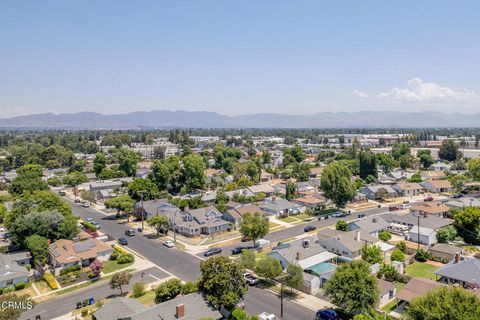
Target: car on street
[85,204]
[89,219]
[62,193]
[212,252]
[123,241]
[427,199]
[237,250]
[130,232]
[393,208]
[250,279]
[326,314]
[309,228]
[168,244]
[77,201]
[336,214]
[406,206]
[458,195]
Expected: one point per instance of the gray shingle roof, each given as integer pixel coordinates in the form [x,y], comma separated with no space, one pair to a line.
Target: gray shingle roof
[467,269]
[119,308]
[9,268]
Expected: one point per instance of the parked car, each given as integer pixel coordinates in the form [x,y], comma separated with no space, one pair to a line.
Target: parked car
[337,214]
[458,195]
[393,208]
[168,244]
[250,279]
[130,232]
[406,206]
[427,199]
[85,204]
[237,250]
[122,241]
[361,215]
[309,228]
[89,219]
[62,193]
[326,314]
[212,251]
[262,243]
[77,201]
[86,302]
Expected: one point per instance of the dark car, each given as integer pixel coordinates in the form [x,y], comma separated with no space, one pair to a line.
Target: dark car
[393,208]
[130,232]
[237,250]
[122,241]
[458,195]
[211,252]
[309,228]
[326,314]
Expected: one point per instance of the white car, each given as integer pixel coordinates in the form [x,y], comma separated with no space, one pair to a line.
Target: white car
[168,244]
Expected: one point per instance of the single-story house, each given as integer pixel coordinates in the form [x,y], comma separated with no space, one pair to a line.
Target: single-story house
[416,287]
[372,225]
[155,207]
[441,166]
[65,253]
[310,201]
[445,251]
[195,222]
[265,176]
[464,202]
[265,188]
[433,175]
[408,189]
[346,244]
[280,207]
[464,271]
[428,221]
[431,208]
[235,215]
[12,270]
[437,186]
[423,235]
[190,306]
[378,192]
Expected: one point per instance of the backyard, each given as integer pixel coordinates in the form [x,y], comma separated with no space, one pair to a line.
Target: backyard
[421,270]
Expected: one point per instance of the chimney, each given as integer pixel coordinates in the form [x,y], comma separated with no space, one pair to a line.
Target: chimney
[299,256]
[457,257]
[180,311]
[357,236]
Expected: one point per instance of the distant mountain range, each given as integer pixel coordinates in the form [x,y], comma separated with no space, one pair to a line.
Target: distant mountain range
[187,119]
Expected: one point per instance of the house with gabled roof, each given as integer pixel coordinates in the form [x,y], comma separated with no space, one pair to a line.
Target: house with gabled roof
[195,222]
[12,270]
[464,271]
[407,189]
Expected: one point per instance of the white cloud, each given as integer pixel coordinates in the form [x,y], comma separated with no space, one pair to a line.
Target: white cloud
[419,91]
[359,93]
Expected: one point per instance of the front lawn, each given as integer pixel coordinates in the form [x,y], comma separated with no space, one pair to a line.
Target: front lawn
[421,270]
[289,219]
[111,266]
[148,299]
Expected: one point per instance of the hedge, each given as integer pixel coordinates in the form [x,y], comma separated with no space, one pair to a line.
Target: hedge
[50,280]
[66,270]
[125,258]
[119,249]
[20,285]
[89,225]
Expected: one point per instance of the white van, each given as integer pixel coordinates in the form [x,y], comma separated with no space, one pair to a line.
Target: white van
[405,206]
[262,243]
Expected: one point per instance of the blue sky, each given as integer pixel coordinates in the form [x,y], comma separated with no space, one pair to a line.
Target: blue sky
[238,57]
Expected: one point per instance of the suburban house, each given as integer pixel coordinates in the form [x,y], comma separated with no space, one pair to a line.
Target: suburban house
[316,172]
[190,306]
[264,188]
[346,244]
[423,235]
[445,251]
[433,175]
[196,222]
[265,176]
[408,189]
[464,271]
[210,196]
[235,215]
[416,287]
[431,208]
[461,203]
[106,189]
[280,207]
[437,186]
[310,201]
[428,221]
[372,225]
[12,270]
[441,166]
[65,253]
[378,192]
[155,207]
[387,292]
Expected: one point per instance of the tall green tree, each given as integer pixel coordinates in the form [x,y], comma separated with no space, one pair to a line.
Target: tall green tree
[193,168]
[123,204]
[337,185]
[127,161]
[425,157]
[160,175]
[368,164]
[294,278]
[145,187]
[467,223]
[372,254]
[254,226]
[222,282]
[445,303]
[269,268]
[120,280]
[386,162]
[290,190]
[474,168]
[353,288]
[449,150]
[99,163]
[38,246]
[160,223]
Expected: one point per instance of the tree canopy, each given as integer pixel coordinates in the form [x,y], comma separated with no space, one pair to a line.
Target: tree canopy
[254,226]
[337,185]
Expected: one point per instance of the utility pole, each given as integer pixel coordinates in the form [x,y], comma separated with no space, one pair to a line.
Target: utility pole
[418,232]
[280,279]
[174,227]
[141,192]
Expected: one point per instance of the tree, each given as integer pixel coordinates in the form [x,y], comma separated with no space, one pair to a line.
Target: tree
[160,175]
[384,235]
[121,204]
[247,259]
[74,179]
[159,152]
[449,150]
[222,282]
[446,234]
[405,161]
[143,186]
[38,246]
[294,278]
[372,254]
[160,223]
[402,246]
[290,190]
[337,184]
[168,290]
[386,162]
[254,226]
[389,272]
[353,288]
[399,150]
[127,161]
[422,255]
[96,266]
[416,177]
[269,268]
[474,168]
[3,212]
[99,163]
[467,223]
[450,303]
[193,170]
[7,301]
[368,164]
[341,225]
[138,289]
[120,279]
[425,157]
[397,255]
[29,179]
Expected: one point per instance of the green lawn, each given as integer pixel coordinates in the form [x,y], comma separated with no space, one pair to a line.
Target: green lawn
[389,307]
[421,270]
[148,299]
[111,266]
[289,219]
[303,216]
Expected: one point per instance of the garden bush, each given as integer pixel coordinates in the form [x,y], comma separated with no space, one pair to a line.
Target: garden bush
[138,289]
[20,286]
[67,270]
[8,289]
[50,280]
[114,255]
[422,255]
[125,258]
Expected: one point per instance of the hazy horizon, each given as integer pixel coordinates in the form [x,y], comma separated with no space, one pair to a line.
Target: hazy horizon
[238,58]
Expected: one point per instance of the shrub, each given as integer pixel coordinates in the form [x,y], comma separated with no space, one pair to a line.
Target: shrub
[119,249]
[397,255]
[168,290]
[114,255]
[67,270]
[89,226]
[189,287]
[1,291]
[28,266]
[125,258]
[384,236]
[50,280]
[138,289]
[422,255]
[20,286]
[402,246]
[8,289]
[84,313]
